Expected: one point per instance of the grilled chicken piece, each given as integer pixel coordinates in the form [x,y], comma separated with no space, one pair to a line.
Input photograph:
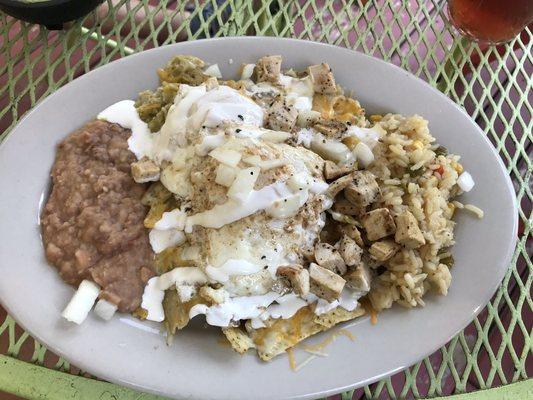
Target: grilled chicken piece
[281,117]
[324,283]
[322,78]
[328,257]
[407,231]
[364,189]
[350,251]
[297,276]
[353,233]
[268,69]
[359,279]
[333,171]
[384,249]
[378,224]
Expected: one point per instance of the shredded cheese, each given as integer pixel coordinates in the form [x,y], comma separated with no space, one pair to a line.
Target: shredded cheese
[304,363]
[292,361]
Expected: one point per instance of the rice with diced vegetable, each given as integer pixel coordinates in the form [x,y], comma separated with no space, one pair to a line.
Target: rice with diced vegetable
[421,177]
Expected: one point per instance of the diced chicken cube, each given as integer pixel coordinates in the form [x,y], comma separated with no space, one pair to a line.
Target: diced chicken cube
[331,128]
[383,250]
[343,206]
[407,231]
[145,170]
[353,233]
[350,251]
[364,189]
[337,186]
[333,171]
[329,257]
[281,117]
[325,283]
[322,78]
[359,279]
[378,224]
[297,276]
[268,69]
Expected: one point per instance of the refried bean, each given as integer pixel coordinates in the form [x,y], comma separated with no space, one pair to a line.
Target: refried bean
[92,224]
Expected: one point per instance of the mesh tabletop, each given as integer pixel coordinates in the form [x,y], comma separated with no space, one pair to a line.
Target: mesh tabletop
[492,83]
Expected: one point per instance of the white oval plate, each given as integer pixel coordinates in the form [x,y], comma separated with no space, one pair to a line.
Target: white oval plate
[196,366]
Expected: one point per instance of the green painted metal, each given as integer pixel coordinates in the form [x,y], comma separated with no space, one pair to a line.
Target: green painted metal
[53,385]
[493,84]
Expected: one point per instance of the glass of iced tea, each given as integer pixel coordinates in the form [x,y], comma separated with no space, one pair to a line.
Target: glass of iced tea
[490,21]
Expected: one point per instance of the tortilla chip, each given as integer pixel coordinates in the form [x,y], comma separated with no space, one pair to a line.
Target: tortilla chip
[285,333]
[239,340]
[155,194]
[177,312]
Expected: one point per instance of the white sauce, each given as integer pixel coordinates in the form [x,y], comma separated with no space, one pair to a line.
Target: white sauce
[230,268]
[209,143]
[163,239]
[185,292]
[124,113]
[235,309]
[232,210]
[285,308]
[174,219]
[224,104]
[174,130]
[154,291]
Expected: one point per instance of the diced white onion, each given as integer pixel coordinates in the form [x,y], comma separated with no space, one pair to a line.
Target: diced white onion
[226,156]
[81,303]
[252,160]
[225,175]
[105,309]
[265,165]
[364,154]
[286,207]
[299,181]
[243,185]
[330,149]
[368,136]
[213,70]
[275,136]
[302,103]
[209,143]
[465,182]
[247,71]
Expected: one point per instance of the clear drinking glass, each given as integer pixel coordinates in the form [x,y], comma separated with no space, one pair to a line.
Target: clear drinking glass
[490,21]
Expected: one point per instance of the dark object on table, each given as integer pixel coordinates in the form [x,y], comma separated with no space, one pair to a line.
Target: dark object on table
[51,13]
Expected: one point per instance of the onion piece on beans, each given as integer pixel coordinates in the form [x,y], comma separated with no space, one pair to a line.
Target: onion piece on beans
[81,303]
